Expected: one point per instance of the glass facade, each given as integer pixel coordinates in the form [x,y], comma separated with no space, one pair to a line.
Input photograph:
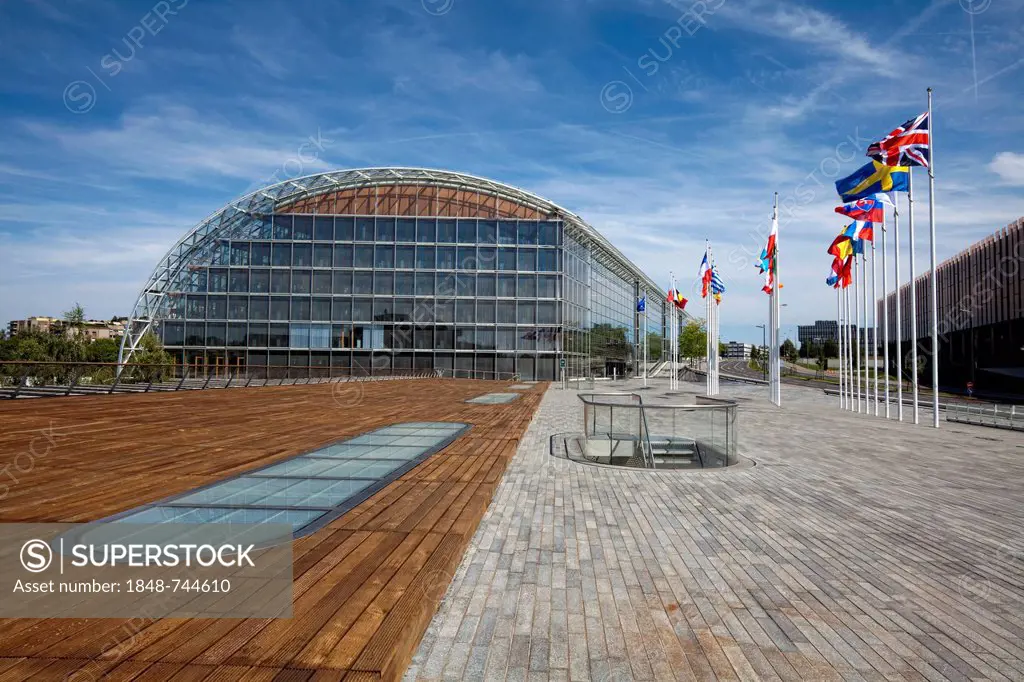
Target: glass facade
[299,294]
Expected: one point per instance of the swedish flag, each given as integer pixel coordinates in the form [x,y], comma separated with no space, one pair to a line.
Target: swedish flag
[871,179]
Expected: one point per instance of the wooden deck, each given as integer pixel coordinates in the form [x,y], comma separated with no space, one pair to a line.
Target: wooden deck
[366,585]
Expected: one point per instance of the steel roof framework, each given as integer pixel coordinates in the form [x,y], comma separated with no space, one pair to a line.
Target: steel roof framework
[240,218]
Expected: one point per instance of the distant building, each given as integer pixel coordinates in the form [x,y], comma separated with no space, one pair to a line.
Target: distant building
[44,325]
[91,329]
[734,349]
[827,330]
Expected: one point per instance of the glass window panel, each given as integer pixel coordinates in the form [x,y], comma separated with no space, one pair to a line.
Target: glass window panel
[446,258]
[279,335]
[238,280]
[485,312]
[466,231]
[321,309]
[282,255]
[313,467]
[258,338]
[527,338]
[465,284]
[319,338]
[466,258]
[302,228]
[423,313]
[342,255]
[323,228]
[507,232]
[195,333]
[279,308]
[485,285]
[527,232]
[216,333]
[240,253]
[302,255]
[384,283]
[364,229]
[364,256]
[296,518]
[341,310]
[405,257]
[217,308]
[343,229]
[404,308]
[363,283]
[465,311]
[527,259]
[322,255]
[444,338]
[547,312]
[405,283]
[260,281]
[526,312]
[384,256]
[488,232]
[174,333]
[506,338]
[506,312]
[507,259]
[301,281]
[506,285]
[281,282]
[342,282]
[383,311]
[446,284]
[237,334]
[547,233]
[424,284]
[259,308]
[260,254]
[405,230]
[424,337]
[485,338]
[362,309]
[527,286]
[301,308]
[486,258]
[425,257]
[282,227]
[445,310]
[218,280]
[446,231]
[298,335]
[385,229]
[426,230]
[322,281]
[547,260]
[238,307]
[195,308]
[341,337]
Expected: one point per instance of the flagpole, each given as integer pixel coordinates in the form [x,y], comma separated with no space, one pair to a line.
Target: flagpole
[855,366]
[874,320]
[885,318]
[913,298]
[864,323]
[839,336]
[934,284]
[899,317]
[778,317]
[645,338]
[849,350]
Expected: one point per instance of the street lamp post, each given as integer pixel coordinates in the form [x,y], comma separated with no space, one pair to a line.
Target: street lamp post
[764,349]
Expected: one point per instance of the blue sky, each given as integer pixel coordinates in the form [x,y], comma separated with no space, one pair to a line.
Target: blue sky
[126,123]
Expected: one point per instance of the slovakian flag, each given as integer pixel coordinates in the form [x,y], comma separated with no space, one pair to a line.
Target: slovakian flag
[908,145]
[873,178]
[869,211]
[705,276]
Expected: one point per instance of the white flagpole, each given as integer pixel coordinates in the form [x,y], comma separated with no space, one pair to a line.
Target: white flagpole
[839,335]
[864,324]
[848,349]
[899,316]
[913,297]
[856,340]
[874,320]
[707,340]
[934,284]
[885,319]
[778,315]
[645,338]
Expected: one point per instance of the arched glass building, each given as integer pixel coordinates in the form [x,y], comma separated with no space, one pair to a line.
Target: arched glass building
[380,270]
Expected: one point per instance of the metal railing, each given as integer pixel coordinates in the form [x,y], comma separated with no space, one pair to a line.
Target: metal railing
[38,379]
[986,414]
[649,431]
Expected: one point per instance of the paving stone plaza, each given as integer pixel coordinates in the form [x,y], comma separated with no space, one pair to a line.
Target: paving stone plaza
[855,549]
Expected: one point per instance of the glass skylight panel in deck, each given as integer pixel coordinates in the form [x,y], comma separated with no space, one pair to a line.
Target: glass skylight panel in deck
[493,398]
[309,490]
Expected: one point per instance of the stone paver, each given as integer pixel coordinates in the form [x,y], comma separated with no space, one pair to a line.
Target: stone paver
[855,549]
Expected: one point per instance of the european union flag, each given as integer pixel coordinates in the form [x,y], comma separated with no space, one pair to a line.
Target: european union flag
[641,305]
[871,179]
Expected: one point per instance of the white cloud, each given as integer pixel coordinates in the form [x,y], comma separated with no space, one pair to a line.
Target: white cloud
[1009,166]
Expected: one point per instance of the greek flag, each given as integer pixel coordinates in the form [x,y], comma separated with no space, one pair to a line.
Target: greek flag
[717,285]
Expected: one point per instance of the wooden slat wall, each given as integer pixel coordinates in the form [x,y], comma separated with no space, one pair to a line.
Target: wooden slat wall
[366,585]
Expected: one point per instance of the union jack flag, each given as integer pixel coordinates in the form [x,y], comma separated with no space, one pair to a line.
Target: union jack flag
[908,145]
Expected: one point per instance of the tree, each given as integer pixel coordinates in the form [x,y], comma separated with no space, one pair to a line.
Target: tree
[693,340]
[723,348]
[831,349]
[150,352]
[788,350]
